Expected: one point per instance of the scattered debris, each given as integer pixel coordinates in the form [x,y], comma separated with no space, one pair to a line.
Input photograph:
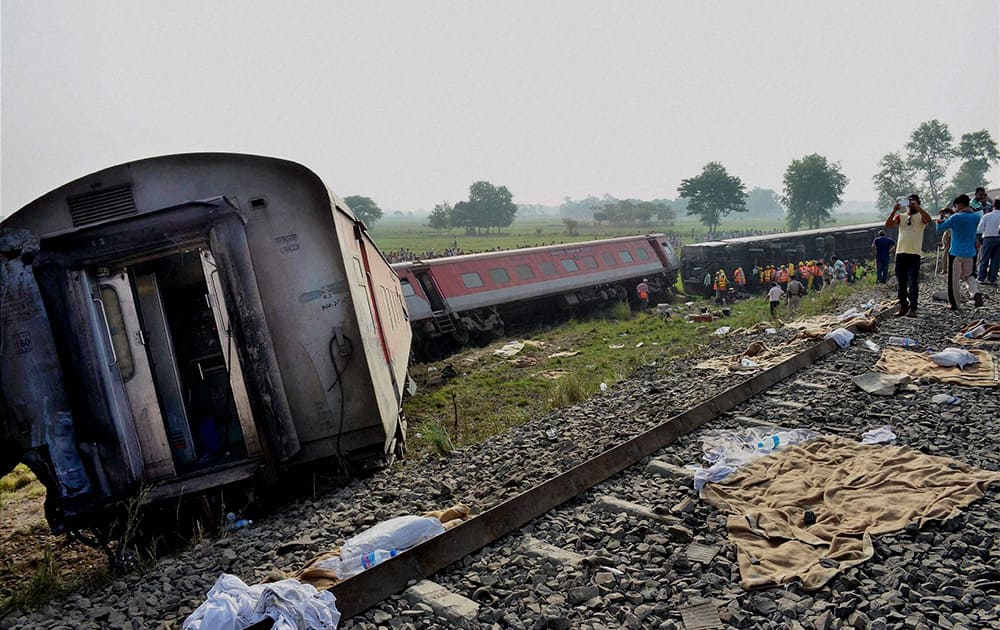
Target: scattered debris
[882,435]
[509,349]
[565,353]
[881,384]
[722,330]
[945,399]
[841,336]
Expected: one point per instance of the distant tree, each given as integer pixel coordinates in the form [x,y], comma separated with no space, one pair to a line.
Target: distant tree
[665,213]
[488,207]
[813,186]
[572,226]
[440,217]
[929,152]
[584,208]
[364,208]
[894,179]
[977,150]
[713,195]
[763,202]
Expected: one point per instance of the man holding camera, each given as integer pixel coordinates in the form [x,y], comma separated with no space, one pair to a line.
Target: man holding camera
[911,219]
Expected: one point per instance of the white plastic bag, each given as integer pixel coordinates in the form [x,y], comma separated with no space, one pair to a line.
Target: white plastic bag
[841,336]
[294,605]
[881,435]
[395,534]
[729,450]
[954,356]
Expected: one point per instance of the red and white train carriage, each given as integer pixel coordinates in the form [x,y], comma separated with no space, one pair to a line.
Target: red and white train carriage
[473,295]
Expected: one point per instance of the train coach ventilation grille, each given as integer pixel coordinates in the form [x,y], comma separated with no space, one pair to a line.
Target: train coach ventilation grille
[102,205]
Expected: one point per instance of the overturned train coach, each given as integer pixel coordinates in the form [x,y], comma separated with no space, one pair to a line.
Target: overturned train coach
[851,242]
[473,296]
[184,322]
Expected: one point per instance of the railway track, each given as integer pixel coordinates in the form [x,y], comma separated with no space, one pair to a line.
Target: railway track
[608,542]
[537,560]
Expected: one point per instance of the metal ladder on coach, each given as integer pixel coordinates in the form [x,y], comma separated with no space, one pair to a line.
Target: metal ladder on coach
[443,321]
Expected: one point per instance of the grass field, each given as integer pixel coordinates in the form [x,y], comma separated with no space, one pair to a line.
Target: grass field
[490,395]
[394,233]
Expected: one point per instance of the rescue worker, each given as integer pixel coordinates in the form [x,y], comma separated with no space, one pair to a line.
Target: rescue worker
[721,286]
[783,277]
[642,290]
[807,275]
[739,281]
[755,278]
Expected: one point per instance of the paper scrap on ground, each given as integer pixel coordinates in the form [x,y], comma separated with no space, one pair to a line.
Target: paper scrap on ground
[567,353]
[854,490]
[920,366]
[881,384]
[509,349]
[881,435]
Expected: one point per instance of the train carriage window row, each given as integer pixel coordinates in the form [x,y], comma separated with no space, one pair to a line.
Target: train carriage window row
[590,262]
[569,264]
[547,268]
[609,260]
[642,254]
[625,256]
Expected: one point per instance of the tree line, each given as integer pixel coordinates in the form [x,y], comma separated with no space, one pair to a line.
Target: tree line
[811,187]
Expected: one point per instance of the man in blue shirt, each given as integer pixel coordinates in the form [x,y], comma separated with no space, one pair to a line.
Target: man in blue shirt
[962,254]
[882,248]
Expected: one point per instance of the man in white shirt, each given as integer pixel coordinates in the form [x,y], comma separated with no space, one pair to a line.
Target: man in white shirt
[989,255]
[774,297]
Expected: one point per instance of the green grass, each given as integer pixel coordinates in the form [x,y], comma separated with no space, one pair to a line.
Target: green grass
[393,233]
[18,478]
[492,395]
[47,583]
[437,436]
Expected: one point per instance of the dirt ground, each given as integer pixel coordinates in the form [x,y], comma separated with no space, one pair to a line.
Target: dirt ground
[25,537]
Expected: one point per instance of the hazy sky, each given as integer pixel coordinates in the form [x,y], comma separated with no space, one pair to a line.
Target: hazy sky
[410,102]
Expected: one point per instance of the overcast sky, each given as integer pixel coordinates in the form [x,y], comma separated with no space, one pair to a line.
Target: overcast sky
[410,102]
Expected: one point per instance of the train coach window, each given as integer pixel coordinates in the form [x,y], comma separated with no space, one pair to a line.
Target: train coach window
[499,275]
[119,336]
[642,253]
[625,256]
[547,268]
[589,262]
[471,280]
[569,264]
[524,272]
[407,288]
[609,259]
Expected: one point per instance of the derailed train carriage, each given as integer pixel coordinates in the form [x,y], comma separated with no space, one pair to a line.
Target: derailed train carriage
[184,322]
[463,298]
[848,242]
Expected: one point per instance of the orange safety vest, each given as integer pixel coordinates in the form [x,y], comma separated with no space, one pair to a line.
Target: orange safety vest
[782,275]
[738,276]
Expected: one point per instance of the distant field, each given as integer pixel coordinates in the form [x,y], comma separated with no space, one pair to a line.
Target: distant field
[394,233]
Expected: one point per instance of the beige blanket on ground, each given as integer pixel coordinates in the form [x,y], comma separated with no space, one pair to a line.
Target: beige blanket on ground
[990,337]
[761,355]
[919,365]
[855,491]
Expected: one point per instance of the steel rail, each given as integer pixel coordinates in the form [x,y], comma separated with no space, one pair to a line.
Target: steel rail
[359,593]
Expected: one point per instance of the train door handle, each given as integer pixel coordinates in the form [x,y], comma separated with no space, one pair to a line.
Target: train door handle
[107,328]
[201,372]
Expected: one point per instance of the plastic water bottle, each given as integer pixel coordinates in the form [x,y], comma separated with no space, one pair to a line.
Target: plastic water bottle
[351,566]
[232,523]
[976,332]
[905,342]
[871,345]
[945,399]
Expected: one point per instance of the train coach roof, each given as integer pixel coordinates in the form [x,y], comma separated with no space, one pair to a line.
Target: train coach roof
[527,250]
[45,214]
[781,235]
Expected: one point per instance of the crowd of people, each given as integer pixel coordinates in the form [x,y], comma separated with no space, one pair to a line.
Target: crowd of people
[970,234]
[791,279]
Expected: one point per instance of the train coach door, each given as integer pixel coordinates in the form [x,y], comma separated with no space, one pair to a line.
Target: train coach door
[427,283]
[117,309]
[236,381]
